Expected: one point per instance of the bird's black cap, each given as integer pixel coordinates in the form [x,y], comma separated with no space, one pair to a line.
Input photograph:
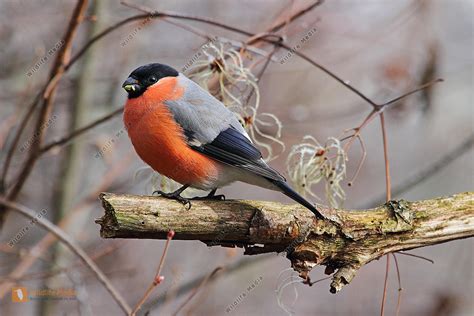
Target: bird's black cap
[143,77]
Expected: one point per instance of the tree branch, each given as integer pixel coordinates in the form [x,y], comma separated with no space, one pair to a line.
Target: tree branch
[351,240]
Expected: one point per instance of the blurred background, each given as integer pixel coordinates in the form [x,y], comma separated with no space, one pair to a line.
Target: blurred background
[383,48]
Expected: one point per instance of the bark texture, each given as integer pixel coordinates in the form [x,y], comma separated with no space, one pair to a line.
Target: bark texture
[344,243]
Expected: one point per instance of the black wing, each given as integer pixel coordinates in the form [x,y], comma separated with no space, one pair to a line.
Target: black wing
[233,148]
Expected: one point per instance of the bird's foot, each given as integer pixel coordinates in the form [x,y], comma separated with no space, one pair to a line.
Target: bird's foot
[176,195]
[211,196]
[218,197]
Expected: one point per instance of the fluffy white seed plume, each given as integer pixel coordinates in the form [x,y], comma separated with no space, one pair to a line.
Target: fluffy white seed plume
[310,162]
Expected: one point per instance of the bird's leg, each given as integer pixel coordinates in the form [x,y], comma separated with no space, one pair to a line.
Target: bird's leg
[211,196]
[176,195]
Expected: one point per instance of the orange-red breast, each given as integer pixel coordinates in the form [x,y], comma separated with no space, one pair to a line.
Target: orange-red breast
[186,134]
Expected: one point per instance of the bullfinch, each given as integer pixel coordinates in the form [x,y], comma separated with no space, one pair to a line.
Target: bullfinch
[186,134]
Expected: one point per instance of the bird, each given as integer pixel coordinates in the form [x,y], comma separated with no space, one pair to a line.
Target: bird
[184,133]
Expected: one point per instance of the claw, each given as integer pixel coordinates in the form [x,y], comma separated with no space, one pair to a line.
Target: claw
[176,195]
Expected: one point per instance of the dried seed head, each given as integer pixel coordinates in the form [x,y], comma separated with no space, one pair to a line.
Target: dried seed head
[309,163]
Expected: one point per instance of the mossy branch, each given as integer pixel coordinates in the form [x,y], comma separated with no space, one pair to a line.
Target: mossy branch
[345,243]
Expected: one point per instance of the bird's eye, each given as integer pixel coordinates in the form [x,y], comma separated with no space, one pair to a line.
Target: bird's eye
[153,79]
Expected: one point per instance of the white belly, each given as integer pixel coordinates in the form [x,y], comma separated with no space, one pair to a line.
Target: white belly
[228,174]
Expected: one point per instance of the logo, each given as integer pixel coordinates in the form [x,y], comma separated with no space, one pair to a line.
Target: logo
[19,295]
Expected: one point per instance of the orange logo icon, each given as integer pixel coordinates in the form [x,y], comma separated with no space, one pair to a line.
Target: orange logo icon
[19,295]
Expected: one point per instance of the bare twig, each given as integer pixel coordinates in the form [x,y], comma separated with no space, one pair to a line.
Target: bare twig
[385,284]
[260,75]
[361,161]
[400,289]
[158,277]
[420,88]
[388,181]
[73,246]
[80,131]
[415,256]
[295,16]
[388,189]
[379,108]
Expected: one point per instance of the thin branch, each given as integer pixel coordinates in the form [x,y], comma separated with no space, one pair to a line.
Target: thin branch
[361,161]
[158,277]
[379,109]
[358,130]
[73,246]
[420,88]
[260,75]
[416,256]
[331,74]
[151,15]
[388,192]
[199,32]
[400,289]
[388,181]
[80,131]
[385,284]
[278,26]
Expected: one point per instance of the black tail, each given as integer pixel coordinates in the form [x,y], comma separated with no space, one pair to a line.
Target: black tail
[289,192]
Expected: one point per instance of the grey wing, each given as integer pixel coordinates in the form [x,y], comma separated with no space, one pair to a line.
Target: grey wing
[201,115]
[215,131]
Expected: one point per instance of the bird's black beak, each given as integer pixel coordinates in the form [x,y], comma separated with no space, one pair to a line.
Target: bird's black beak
[131,85]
